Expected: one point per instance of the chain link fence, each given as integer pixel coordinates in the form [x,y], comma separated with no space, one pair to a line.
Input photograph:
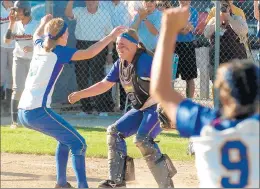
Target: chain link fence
[196,52]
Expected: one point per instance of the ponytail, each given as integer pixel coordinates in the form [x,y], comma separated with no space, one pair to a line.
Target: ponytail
[49,44]
[143,48]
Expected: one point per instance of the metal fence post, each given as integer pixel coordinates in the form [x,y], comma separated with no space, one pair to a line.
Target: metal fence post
[217,49]
[49,7]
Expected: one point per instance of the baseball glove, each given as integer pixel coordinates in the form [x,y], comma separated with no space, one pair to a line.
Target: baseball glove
[165,122]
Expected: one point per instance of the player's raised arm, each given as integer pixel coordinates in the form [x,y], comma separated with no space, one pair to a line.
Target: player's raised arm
[93,50]
[40,30]
[173,21]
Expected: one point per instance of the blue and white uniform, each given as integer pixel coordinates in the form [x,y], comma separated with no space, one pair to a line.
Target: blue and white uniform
[227,151]
[35,112]
[141,120]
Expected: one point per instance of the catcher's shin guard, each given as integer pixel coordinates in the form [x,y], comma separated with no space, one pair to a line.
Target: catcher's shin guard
[121,166]
[130,169]
[160,165]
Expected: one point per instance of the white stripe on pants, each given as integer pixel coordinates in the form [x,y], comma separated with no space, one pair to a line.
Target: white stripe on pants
[20,70]
[6,67]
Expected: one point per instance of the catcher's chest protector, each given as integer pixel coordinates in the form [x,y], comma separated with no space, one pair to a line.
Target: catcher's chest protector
[136,88]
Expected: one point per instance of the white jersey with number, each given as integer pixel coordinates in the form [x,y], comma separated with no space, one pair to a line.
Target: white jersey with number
[230,157]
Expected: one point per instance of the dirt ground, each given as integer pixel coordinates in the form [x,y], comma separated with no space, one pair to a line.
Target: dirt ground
[31,171]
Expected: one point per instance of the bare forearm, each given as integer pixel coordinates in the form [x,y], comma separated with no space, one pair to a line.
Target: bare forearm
[97,89]
[9,34]
[68,11]
[256,10]
[161,87]
[93,50]
[136,24]
[151,27]
[39,31]
[209,30]
[239,26]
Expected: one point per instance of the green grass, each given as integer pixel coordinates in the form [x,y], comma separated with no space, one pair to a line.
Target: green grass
[25,141]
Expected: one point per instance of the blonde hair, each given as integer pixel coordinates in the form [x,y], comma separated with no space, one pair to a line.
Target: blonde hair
[53,27]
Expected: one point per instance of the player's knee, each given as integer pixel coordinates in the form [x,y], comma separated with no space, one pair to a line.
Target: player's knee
[113,136]
[79,146]
[145,145]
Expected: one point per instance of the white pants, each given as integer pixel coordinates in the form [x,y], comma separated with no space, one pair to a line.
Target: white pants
[20,70]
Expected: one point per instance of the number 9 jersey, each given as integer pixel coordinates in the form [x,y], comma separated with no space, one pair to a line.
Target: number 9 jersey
[226,151]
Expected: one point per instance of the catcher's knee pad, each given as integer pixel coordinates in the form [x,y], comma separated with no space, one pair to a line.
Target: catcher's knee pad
[160,165]
[121,166]
[147,147]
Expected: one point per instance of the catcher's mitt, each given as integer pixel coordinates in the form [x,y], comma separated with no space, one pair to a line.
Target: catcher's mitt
[165,122]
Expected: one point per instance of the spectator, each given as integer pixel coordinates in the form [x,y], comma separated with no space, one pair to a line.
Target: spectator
[233,35]
[235,10]
[147,23]
[92,24]
[120,17]
[6,60]
[185,48]
[133,7]
[21,29]
[162,5]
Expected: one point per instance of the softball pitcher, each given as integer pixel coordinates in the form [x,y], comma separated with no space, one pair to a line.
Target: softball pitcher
[21,29]
[132,69]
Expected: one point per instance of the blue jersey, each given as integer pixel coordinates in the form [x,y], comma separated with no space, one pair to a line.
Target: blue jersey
[227,151]
[144,65]
[45,69]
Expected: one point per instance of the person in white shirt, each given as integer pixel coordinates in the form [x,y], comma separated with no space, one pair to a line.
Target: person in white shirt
[20,29]
[147,23]
[120,16]
[50,55]
[6,60]
[92,23]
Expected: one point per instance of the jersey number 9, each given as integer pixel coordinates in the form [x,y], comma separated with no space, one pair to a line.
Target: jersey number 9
[240,164]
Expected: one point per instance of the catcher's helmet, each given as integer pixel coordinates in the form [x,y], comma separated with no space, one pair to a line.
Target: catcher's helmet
[25,5]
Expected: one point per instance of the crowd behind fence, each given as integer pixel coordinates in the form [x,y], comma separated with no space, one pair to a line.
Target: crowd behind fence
[195,49]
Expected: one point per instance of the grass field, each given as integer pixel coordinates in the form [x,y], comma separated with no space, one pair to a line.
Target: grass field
[25,141]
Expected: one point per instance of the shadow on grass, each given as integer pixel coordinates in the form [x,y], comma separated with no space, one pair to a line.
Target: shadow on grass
[91,129]
[28,177]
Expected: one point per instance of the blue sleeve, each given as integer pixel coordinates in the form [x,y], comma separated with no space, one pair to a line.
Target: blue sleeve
[38,42]
[192,117]
[113,75]
[64,54]
[157,22]
[144,65]
[194,18]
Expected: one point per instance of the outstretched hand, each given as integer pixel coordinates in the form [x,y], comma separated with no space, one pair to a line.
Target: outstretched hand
[74,97]
[118,31]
